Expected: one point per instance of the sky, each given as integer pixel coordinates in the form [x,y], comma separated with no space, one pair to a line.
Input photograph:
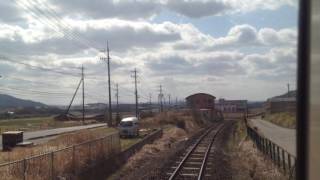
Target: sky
[233,49]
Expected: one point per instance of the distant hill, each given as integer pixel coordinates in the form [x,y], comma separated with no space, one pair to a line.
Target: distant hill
[7,101]
[289,94]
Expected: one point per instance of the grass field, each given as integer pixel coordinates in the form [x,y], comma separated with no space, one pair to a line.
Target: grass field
[283,119]
[36,123]
[59,142]
[128,142]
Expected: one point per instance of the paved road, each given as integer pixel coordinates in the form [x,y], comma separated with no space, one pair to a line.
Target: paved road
[284,137]
[34,136]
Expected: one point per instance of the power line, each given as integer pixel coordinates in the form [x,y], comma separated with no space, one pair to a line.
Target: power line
[34,91]
[4,58]
[47,21]
[34,95]
[31,81]
[60,21]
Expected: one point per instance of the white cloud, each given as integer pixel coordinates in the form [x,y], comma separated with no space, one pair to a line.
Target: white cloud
[197,8]
[144,9]
[178,55]
[269,36]
[248,36]
[244,6]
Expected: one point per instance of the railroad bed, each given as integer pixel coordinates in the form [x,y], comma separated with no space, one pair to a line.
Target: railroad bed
[193,162]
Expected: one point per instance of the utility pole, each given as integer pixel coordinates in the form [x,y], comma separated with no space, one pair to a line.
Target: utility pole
[288,88]
[109,86]
[150,97]
[82,77]
[117,97]
[160,98]
[177,102]
[169,98]
[135,90]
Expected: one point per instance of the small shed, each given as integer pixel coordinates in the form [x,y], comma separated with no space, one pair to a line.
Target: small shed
[11,139]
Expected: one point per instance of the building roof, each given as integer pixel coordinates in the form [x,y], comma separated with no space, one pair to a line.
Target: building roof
[200,94]
[232,101]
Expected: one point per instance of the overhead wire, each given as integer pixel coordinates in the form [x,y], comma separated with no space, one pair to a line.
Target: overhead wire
[54,15]
[54,26]
[7,59]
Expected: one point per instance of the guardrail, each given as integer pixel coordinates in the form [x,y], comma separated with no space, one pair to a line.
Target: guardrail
[282,158]
[66,163]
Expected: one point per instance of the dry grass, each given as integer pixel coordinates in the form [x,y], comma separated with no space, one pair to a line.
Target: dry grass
[82,155]
[128,142]
[246,161]
[149,153]
[284,119]
[248,164]
[54,144]
[186,120]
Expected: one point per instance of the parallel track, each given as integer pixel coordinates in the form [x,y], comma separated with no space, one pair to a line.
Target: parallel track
[193,163]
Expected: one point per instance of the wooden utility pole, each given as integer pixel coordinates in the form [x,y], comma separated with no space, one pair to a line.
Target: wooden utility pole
[150,97]
[117,98]
[136,90]
[160,98]
[177,102]
[82,75]
[109,86]
[288,88]
[74,95]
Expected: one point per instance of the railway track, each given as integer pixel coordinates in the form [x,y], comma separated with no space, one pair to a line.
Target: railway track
[192,164]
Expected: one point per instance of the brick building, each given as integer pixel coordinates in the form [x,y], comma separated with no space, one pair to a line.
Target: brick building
[201,101]
[204,104]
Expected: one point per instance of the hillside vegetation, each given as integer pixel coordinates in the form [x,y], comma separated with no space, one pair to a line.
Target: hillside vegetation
[284,119]
[7,101]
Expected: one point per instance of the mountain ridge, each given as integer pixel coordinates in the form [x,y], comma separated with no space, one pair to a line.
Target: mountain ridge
[8,101]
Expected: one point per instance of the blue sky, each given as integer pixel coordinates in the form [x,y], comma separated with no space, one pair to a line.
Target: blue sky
[283,17]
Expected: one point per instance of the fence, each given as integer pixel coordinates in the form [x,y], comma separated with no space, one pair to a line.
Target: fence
[66,163]
[282,158]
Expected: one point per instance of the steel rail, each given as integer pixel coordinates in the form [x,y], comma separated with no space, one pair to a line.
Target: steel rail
[204,162]
[175,173]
